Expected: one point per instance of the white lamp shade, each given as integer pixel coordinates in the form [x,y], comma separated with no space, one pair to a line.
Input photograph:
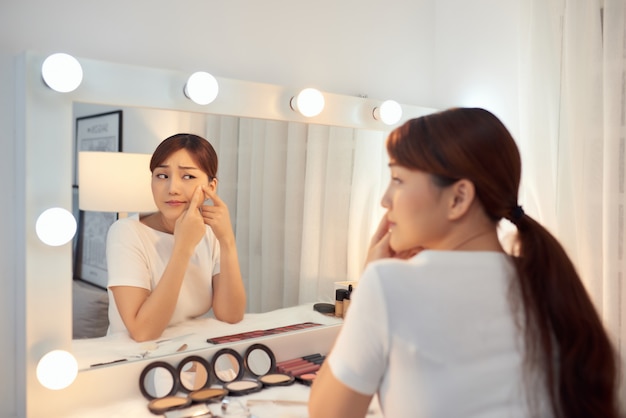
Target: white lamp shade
[114,182]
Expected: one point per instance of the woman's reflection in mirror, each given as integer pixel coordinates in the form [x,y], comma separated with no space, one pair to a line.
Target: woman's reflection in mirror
[181,261]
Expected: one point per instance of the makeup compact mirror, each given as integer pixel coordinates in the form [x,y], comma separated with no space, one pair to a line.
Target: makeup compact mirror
[259,360]
[227,365]
[158,380]
[159,384]
[194,373]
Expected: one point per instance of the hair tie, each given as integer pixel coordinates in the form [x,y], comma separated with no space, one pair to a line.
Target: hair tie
[516,213]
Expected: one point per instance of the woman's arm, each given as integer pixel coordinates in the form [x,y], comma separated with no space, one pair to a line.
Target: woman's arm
[330,398]
[146,314]
[229,295]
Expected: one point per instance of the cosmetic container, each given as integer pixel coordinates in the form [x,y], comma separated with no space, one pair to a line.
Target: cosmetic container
[340,295]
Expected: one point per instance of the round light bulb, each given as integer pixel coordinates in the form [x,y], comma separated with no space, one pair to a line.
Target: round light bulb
[309,102]
[55,226]
[62,72]
[57,369]
[389,112]
[201,87]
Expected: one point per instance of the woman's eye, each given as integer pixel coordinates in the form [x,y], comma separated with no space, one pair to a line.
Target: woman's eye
[189,177]
[396,180]
[161,176]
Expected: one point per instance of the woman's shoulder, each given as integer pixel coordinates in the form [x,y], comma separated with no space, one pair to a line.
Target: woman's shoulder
[442,261]
[130,222]
[127,227]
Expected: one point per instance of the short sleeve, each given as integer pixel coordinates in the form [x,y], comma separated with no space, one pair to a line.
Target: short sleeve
[359,356]
[127,263]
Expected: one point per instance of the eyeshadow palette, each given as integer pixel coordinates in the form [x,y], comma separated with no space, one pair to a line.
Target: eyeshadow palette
[260,333]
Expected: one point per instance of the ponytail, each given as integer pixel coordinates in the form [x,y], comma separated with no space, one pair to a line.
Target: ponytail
[562,323]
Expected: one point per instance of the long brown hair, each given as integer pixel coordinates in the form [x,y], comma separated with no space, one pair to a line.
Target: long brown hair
[565,340]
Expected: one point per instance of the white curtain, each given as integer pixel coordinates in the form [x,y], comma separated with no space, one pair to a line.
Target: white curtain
[573,126]
[304,200]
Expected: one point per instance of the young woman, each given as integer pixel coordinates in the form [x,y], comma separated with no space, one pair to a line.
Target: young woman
[446,324]
[177,263]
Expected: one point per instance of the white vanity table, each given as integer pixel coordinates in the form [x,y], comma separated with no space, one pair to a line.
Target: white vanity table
[119,395]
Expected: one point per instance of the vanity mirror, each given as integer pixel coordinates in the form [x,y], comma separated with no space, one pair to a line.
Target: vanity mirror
[44,156]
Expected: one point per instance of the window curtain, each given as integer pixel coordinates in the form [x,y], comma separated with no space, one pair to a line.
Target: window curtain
[572,138]
[304,200]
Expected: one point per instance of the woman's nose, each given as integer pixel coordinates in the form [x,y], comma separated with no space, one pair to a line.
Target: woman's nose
[385,200]
[173,186]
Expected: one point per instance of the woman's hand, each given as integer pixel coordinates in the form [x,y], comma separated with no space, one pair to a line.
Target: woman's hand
[379,244]
[217,217]
[190,225]
[380,247]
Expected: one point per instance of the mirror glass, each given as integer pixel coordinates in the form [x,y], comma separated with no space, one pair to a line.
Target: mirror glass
[157,380]
[259,360]
[227,365]
[302,198]
[193,373]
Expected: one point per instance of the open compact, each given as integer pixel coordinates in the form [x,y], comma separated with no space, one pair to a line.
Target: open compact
[194,375]
[260,362]
[158,383]
[196,378]
[228,368]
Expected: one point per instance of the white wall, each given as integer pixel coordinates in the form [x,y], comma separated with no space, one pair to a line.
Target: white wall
[433,53]
[476,57]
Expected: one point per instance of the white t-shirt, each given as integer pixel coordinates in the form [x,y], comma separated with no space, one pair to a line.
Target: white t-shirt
[435,337]
[137,256]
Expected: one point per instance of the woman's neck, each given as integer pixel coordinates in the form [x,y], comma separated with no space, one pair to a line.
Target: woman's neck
[158,222]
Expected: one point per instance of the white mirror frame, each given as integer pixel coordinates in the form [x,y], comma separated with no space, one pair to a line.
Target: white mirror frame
[44,164]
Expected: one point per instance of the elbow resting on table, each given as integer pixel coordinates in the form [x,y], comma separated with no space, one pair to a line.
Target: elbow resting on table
[144,335]
[230,318]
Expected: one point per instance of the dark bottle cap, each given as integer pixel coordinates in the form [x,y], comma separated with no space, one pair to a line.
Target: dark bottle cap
[341,294]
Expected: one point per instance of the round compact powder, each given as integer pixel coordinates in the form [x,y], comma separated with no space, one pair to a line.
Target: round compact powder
[307,378]
[204,395]
[159,406]
[242,387]
[276,379]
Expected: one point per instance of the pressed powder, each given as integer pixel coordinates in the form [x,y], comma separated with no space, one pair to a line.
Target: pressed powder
[243,387]
[276,379]
[307,378]
[204,395]
[159,406]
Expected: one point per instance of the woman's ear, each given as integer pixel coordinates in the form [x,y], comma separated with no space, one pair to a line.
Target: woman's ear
[213,184]
[462,196]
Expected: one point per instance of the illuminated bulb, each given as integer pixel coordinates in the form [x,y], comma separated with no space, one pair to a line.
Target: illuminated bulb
[55,226]
[389,112]
[57,369]
[309,102]
[62,72]
[201,87]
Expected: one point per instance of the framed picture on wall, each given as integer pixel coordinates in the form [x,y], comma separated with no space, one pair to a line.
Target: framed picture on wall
[101,132]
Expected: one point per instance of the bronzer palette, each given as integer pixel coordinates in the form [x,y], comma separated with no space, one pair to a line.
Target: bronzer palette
[260,333]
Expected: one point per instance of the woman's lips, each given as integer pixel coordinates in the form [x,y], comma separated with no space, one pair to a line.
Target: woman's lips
[174,203]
